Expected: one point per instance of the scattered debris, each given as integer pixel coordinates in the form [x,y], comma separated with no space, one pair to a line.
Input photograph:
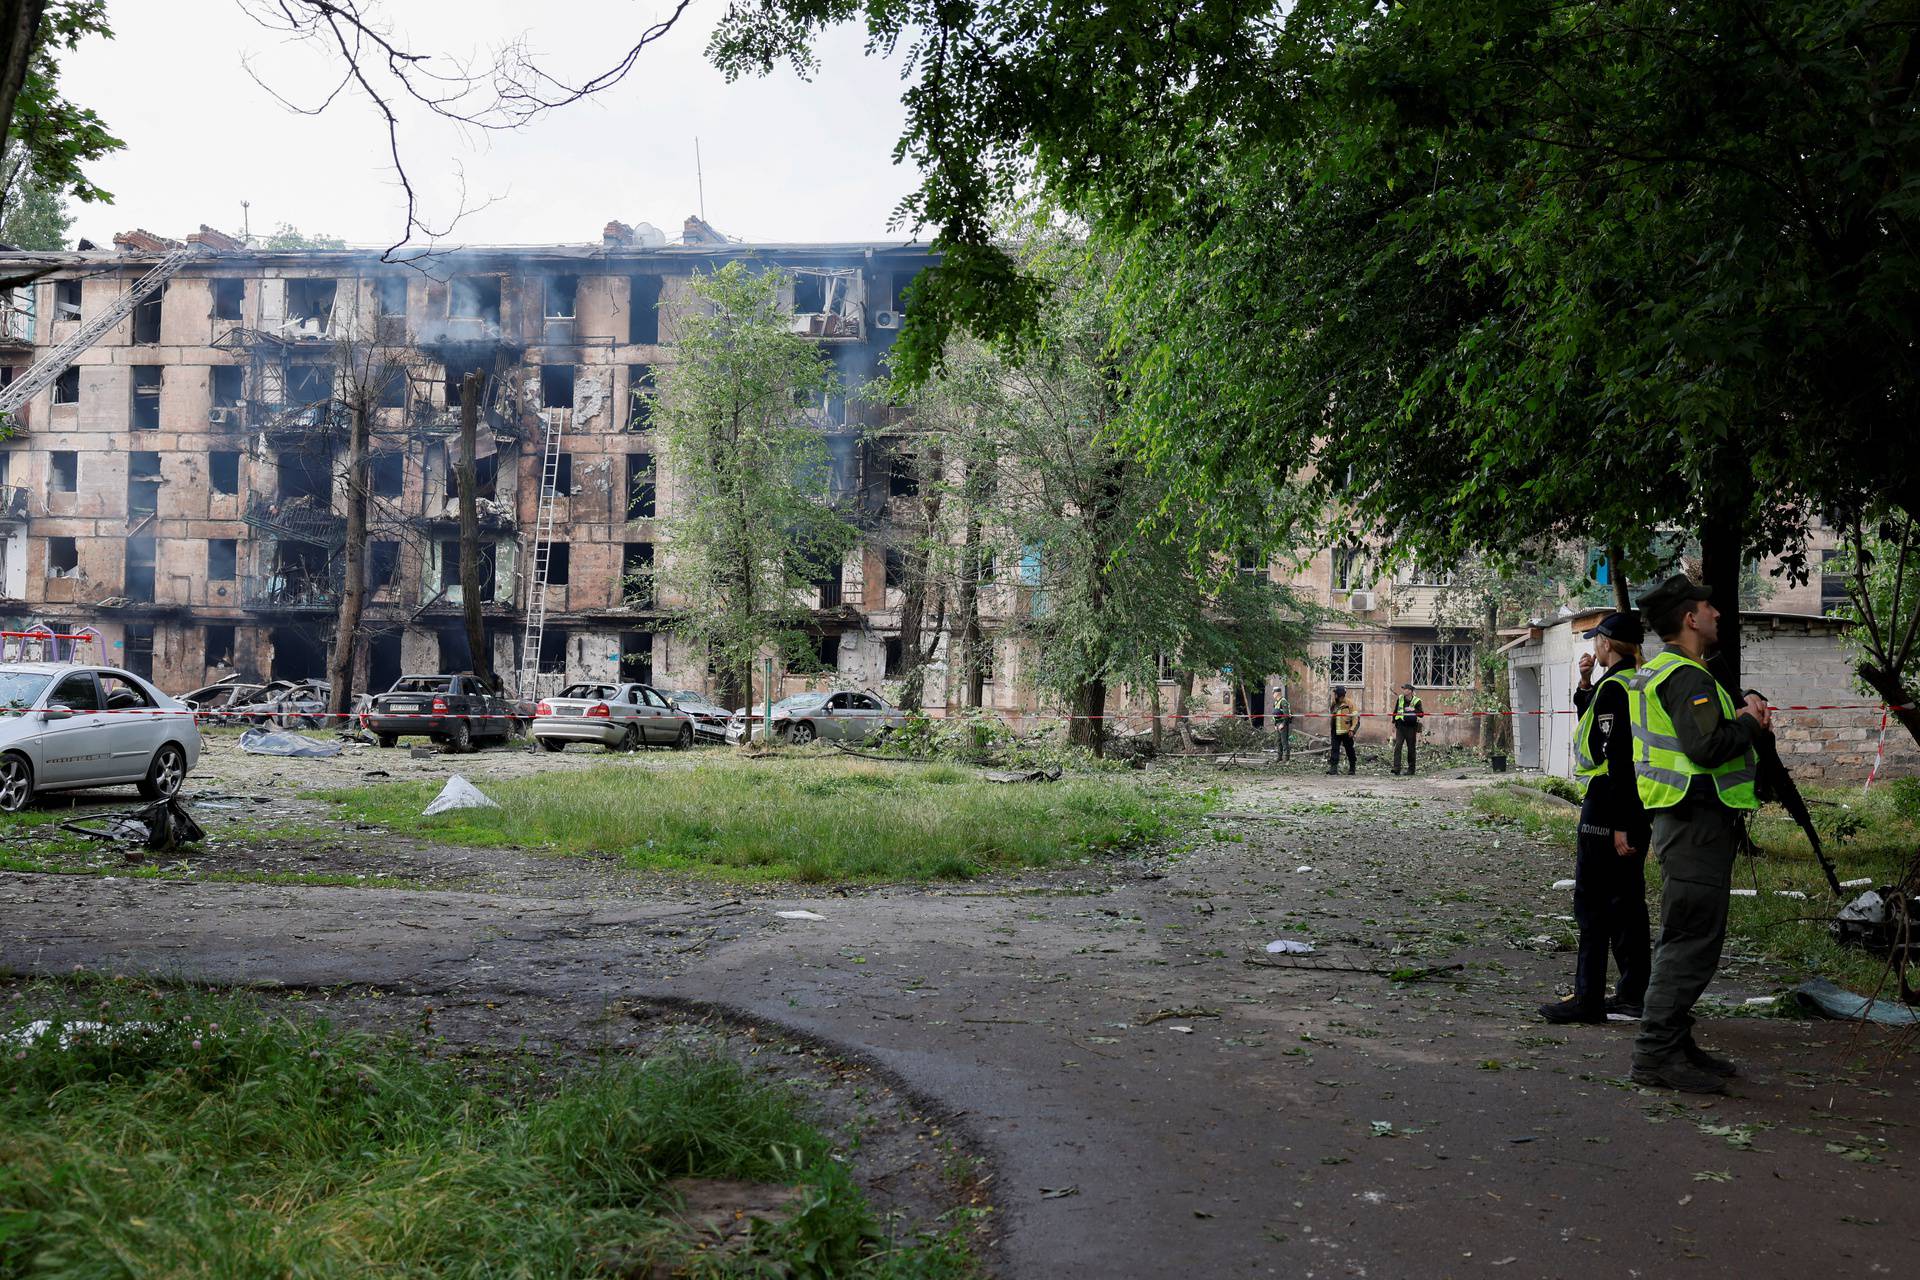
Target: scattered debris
[1022,775]
[1563,884]
[1856,884]
[1058,1193]
[458,794]
[1302,870]
[276,742]
[1161,1015]
[1289,947]
[799,915]
[161,826]
[1829,1001]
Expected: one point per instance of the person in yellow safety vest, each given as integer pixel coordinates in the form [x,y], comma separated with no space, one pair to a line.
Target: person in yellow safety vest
[1407,711]
[1346,718]
[1609,869]
[1694,767]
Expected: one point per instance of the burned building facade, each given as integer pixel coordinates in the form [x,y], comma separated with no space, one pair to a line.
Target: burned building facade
[179,491]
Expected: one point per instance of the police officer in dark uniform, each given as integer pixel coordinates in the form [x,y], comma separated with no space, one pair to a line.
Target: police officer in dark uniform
[1695,768]
[1609,870]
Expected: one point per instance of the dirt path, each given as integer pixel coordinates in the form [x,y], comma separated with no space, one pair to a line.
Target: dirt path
[1152,1102]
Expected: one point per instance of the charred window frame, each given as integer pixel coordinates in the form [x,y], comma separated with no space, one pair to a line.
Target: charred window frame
[309,384]
[63,557]
[636,574]
[895,650]
[563,475]
[63,466]
[143,482]
[66,387]
[474,298]
[223,559]
[389,474]
[142,554]
[562,296]
[219,638]
[383,564]
[312,298]
[146,397]
[809,294]
[229,385]
[393,390]
[146,318]
[896,569]
[559,564]
[556,386]
[486,476]
[229,295]
[641,392]
[450,566]
[223,472]
[66,299]
[643,306]
[642,490]
[390,295]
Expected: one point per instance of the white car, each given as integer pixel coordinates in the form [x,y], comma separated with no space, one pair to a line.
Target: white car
[64,726]
[620,717]
[845,716]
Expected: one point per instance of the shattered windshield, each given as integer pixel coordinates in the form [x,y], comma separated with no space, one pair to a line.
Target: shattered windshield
[21,689]
[423,684]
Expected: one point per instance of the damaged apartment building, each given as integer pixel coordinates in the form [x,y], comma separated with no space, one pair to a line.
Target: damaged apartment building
[178,490]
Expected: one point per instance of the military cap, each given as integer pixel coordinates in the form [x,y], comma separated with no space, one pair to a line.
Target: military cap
[1624,627]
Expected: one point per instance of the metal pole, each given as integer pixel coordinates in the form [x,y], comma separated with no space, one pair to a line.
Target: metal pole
[768,722]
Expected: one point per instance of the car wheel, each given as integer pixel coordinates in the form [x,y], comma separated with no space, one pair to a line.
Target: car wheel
[165,774]
[16,782]
[629,741]
[388,739]
[801,734]
[460,738]
[685,739]
[552,744]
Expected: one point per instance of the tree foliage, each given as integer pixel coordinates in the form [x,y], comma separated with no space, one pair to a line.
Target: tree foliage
[58,137]
[286,237]
[36,216]
[747,522]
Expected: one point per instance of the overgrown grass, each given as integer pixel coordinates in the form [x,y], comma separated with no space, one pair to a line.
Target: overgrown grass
[1872,836]
[191,1135]
[794,818]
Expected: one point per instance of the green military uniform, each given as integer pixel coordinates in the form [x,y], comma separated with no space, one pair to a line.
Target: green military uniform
[1694,765]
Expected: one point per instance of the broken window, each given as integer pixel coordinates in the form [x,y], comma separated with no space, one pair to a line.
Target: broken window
[896,569]
[223,471]
[136,651]
[143,482]
[139,584]
[809,294]
[640,486]
[636,657]
[643,317]
[64,465]
[486,476]
[306,475]
[383,562]
[229,385]
[824,653]
[640,395]
[389,474]
[553,650]
[561,292]
[223,558]
[895,651]
[559,564]
[309,383]
[146,318]
[301,575]
[66,388]
[311,300]
[556,386]
[66,300]
[450,567]
[63,557]
[146,397]
[227,294]
[458,367]
[393,390]
[563,474]
[390,295]
[475,298]
[219,651]
[636,574]
[903,480]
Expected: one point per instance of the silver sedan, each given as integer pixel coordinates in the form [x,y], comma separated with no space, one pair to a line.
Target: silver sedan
[63,727]
[620,717]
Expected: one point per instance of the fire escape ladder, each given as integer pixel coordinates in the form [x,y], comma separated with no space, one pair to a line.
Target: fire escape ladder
[49,367]
[540,547]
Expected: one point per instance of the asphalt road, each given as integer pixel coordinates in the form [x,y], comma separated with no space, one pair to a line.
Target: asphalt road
[1156,1095]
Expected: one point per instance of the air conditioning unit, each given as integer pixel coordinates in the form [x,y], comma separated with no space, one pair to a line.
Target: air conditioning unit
[1361,602]
[886,319]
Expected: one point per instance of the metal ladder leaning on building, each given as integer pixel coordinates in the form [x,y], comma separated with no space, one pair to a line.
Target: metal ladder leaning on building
[49,367]
[539,551]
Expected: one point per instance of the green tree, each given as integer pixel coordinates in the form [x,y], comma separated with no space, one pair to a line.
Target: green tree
[747,520]
[286,237]
[1482,273]
[1881,559]
[36,216]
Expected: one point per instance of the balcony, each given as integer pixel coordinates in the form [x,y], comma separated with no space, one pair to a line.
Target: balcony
[16,319]
[13,504]
[291,591]
[303,519]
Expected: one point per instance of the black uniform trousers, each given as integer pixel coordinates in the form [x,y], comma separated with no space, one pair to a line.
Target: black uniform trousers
[1408,733]
[1610,908]
[1333,752]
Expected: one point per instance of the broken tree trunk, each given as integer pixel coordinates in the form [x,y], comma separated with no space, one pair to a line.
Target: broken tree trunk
[353,596]
[472,387]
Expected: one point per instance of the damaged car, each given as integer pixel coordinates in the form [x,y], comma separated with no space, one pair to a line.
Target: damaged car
[67,727]
[709,717]
[847,716]
[619,717]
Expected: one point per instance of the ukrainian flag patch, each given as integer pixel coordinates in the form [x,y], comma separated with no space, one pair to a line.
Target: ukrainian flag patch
[1702,700]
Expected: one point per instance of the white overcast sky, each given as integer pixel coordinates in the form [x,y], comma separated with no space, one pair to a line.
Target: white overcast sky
[785,159]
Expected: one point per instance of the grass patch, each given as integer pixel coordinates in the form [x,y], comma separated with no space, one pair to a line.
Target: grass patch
[810,820]
[1873,835]
[190,1134]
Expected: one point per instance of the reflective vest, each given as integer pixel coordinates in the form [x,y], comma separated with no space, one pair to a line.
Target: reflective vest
[1661,768]
[1403,708]
[1584,765]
